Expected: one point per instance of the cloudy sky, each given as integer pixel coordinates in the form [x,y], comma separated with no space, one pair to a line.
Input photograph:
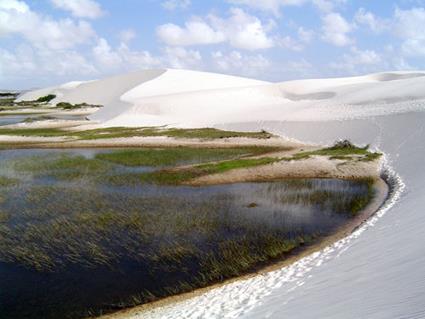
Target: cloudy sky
[44,42]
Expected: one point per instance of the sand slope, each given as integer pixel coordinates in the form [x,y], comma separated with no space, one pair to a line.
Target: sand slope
[195,99]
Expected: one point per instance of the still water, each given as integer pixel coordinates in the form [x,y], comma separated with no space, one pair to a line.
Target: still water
[74,247]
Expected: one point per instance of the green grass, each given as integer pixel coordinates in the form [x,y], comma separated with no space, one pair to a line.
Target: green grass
[212,133]
[122,132]
[46,99]
[202,133]
[42,132]
[179,176]
[173,156]
[7,181]
[63,166]
[340,151]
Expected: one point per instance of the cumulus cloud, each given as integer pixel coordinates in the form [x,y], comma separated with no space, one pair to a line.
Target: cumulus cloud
[42,31]
[358,61]
[273,6]
[80,8]
[175,4]
[408,25]
[368,19]
[25,63]
[122,58]
[328,6]
[240,29]
[127,35]
[248,65]
[195,31]
[336,29]
[181,58]
[304,37]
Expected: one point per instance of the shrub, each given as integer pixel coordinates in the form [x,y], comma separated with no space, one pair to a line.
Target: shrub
[46,99]
[67,106]
[346,144]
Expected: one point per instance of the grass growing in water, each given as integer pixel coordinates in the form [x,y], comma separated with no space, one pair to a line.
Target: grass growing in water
[7,181]
[121,132]
[173,156]
[180,238]
[179,176]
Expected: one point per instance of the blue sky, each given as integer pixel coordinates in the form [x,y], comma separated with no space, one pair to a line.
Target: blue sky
[45,42]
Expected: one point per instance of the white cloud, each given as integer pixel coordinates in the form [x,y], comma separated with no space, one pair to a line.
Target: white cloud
[26,62]
[240,30]
[175,4]
[80,8]
[122,58]
[18,6]
[181,58]
[127,35]
[42,31]
[368,19]
[408,25]
[105,55]
[273,6]
[305,36]
[248,65]
[327,6]
[244,31]
[296,44]
[358,61]
[336,29]
[195,31]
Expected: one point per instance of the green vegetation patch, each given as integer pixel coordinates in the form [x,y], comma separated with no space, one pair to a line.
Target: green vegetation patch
[45,99]
[173,156]
[70,106]
[7,181]
[179,176]
[63,166]
[123,132]
[341,150]
[202,133]
[42,132]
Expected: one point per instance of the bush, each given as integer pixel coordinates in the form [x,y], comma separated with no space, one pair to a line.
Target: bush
[46,99]
[346,144]
[67,106]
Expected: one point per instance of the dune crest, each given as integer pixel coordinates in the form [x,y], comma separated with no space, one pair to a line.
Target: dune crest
[194,99]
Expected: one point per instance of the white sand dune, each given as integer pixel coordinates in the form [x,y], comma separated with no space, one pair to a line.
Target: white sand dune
[378,271]
[195,99]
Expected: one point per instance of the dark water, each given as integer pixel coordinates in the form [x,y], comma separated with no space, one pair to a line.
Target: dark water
[71,248]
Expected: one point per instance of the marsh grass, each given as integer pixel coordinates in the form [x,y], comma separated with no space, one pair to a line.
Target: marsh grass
[341,150]
[62,166]
[174,156]
[174,238]
[122,132]
[181,175]
[8,182]
[42,132]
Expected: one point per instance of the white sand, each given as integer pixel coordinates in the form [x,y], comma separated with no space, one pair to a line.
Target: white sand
[197,99]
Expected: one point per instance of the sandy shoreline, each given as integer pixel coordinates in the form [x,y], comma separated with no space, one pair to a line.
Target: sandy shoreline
[382,192]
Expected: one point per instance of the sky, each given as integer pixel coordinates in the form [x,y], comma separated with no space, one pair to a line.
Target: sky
[47,42]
